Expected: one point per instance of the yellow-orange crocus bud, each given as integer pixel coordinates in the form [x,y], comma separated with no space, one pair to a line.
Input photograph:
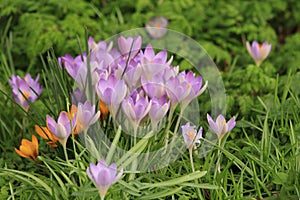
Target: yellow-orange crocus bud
[29,149]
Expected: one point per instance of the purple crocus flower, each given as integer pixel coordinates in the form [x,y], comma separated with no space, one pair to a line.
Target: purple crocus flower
[159,108]
[220,127]
[73,66]
[24,89]
[78,96]
[177,89]
[155,87]
[85,116]
[129,44]
[62,128]
[258,52]
[111,91]
[100,45]
[132,75]
[190,135]
[156,27]
[195,84]
[136,107]
[103,176]
[153,64]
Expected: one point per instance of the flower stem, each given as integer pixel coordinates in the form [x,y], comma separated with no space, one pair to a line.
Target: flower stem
[193,169]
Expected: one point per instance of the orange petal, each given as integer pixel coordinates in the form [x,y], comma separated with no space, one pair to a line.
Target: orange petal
[35,143]
[73,112]
[42,131]
[20,153]
[52,144]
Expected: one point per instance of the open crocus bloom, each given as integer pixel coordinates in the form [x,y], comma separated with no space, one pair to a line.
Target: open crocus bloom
[156,27]
[258,52]
[29,149]
[220,127]
[103,176]
[190,135]
[25,89]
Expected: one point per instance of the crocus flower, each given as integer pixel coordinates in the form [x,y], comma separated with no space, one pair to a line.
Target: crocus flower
[258,52]
[136,107]
[25,89]
[111,91]
[177,90]
[153,64]
[190,135]
[46,134]
[85,116]
[129,45]
[156,27]
[103,176]
[159,108]
[62,128]
[220,127]
[29,149]
[195,83]
[155,87]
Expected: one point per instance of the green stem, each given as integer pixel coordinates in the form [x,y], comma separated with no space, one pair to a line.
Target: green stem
[65,149]
[193,169]
[172,109]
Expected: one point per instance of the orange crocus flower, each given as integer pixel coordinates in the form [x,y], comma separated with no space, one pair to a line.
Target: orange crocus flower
[29,149]
[45,133]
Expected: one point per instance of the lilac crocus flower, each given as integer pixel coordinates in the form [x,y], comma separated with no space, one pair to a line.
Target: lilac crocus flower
[25,89]
[103,176]
[220,127]
[156,27]
[190,135]
[159,108]
[195,84]
[129,44]
[153,64]
[177,90]
[62,128]
[74,66]
[155,87]
[85,116]
[136,107]
[111,91]
[258,52]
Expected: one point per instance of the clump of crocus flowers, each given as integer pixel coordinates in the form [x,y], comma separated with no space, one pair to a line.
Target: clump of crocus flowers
[139,84]
[259,52]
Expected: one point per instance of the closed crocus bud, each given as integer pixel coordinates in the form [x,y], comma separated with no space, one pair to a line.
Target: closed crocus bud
[258,52]
[60,129]
[220,127]
[158,110]
[111,91]
[103,176]
[85,116]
